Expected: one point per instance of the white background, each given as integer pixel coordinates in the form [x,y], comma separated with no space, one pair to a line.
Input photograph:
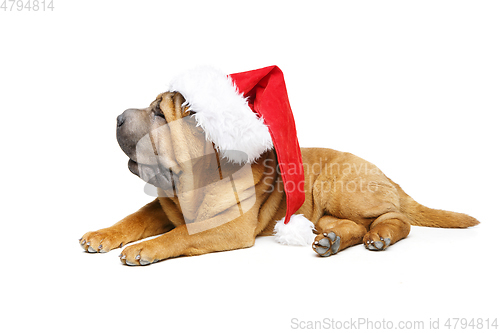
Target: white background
[410,86]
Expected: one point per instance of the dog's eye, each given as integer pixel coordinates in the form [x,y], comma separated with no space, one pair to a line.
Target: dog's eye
[157,113]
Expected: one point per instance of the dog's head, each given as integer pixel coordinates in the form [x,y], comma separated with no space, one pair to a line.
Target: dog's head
[168,149]
[161,139]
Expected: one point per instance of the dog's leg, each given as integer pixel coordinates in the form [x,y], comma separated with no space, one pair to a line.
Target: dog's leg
[179,242]
[336,234]
[387,229]
[148,221]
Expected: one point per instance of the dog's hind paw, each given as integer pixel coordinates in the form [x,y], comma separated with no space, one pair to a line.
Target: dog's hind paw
[326,244]
[377,245]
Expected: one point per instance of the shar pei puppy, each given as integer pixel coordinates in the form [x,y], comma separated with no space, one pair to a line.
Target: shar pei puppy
[207,203]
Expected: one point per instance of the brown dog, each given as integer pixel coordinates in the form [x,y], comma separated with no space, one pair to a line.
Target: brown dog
[349,200]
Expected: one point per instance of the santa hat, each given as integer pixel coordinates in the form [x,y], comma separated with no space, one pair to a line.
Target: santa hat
[244,115]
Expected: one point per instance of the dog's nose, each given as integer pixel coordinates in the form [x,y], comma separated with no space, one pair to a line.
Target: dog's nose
[120,120]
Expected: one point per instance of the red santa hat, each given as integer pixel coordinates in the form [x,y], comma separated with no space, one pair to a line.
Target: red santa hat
[246,114]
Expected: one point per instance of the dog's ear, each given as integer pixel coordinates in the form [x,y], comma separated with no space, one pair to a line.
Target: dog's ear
[173,105]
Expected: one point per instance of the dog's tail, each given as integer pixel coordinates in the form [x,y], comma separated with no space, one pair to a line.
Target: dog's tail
[420,215]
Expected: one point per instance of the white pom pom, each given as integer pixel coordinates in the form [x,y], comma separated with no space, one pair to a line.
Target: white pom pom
[299,231]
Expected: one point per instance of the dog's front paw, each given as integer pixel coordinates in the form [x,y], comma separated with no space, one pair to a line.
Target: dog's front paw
[326,244]
[138,254]
[101,241]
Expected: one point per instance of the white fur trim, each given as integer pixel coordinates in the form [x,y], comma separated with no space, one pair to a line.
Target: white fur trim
[299,231]
[224,114]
